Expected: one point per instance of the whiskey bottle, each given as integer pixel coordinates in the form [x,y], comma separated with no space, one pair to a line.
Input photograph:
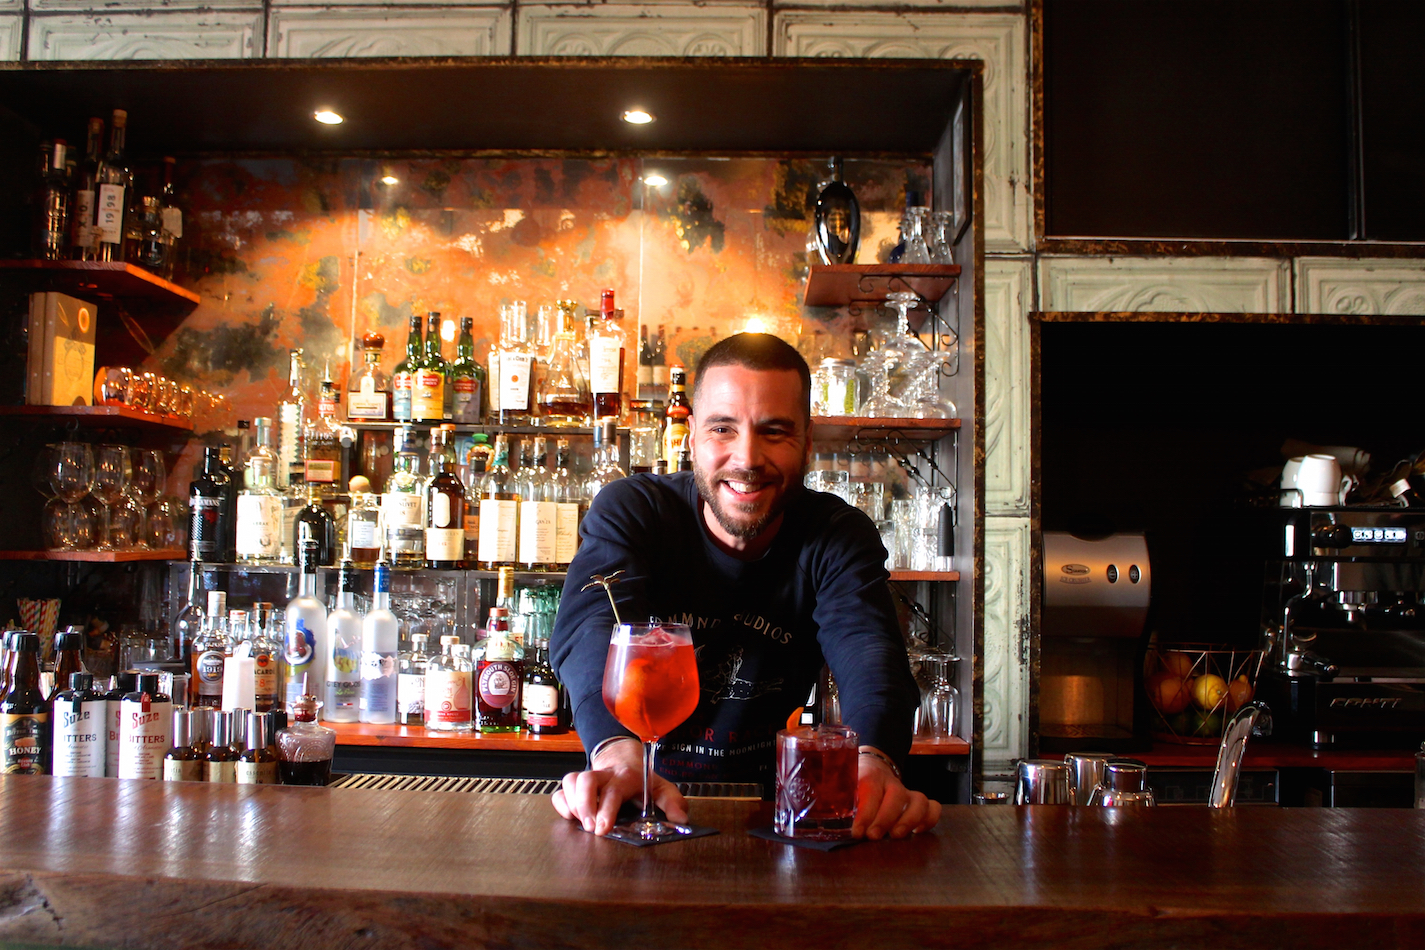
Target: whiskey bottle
[606,356]
[403,377]
[467,379]
[498,677]
[363,530]
[210,652]
[257,765]
[368,391]
[79,729]
[209,525]
[448,683]
[565,493]
[428,379]
[146,718]
[542,694]
[181,763]
[380,642]
[606,467]
[675,426]
[499,511]
[343,679]
[84,238]
[322,443]
[305,645]
[403,504]
[411,682]
[564,393]
[516,364]
[445,508]
[220,761]
[259,504]
[115,181]
[472,473]
[292,416]
[537,511]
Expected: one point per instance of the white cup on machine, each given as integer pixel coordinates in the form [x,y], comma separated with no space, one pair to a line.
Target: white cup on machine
[1314,481]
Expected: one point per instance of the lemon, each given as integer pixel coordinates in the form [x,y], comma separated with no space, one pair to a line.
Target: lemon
[1208,690]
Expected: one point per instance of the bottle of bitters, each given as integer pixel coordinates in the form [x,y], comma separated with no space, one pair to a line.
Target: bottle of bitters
[24,713]
[145,719]
[80,727]
[122,685]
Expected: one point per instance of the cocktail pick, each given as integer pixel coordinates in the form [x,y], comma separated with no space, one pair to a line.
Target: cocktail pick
[606,582]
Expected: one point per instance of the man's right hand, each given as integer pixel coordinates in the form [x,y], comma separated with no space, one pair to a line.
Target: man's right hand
[592,798]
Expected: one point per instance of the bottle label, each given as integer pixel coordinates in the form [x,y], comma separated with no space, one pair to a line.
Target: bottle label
[208,673]
[172,221]
[566,532]
[447,696]
[402,509]
[428,396]
[366,403]
[492,373]
[445,544]
[498,520]
[259,525]
[440,514]
[264,676]
[109,217]
[499,683]
[541,703]
[220,772]
[605,361]
[322,471]
[144,738]
[401,397]
[79,730]
[256,773]
[362,532]
[84,232]
[537,542]
[465,406]
[301,647]
[111,741]
[378,683]
[183,770]
[472,528]
[204,542]
[515,371]
[675,437]
[411,694]
[22,740]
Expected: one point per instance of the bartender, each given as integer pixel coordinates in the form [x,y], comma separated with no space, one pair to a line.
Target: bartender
[773,581]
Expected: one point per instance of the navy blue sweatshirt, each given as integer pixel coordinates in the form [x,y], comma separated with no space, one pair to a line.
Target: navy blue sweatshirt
[761,628]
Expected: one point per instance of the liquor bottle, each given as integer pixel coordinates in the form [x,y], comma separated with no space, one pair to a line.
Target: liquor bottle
[211,650]
[472,473]
[606,356]
[304,749]
[403,504]
[411,682]
[121,685]
[428,377]
[516,363]
[52,224]
[229,484]
[477,461]
[322,443]
[306,640]
[498,676]
[315,523]
[538,512]
[499,511]
[145,724]
[170,215]
[660,364]
[564,393]
[237,733]
[445,508]
[403,376]
[685,459]
[145,243]
[606,467]
[266,652]
[542,694]
[259,504]
[79,729]
[380,642]
[343,679]
[675,426]
[448,682]
[645,363]
[67,662]
[257,765]
[363,530]
[467,379]
[220,761]
[181,763]
[111,198]
[292,415]
[210,525]
[368,391]
[84,239]
[565,492]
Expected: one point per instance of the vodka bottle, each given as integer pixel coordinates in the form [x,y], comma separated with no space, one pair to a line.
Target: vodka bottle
[304,652]
[343,679]
[380,641]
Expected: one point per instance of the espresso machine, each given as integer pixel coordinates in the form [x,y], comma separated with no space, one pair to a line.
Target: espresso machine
[1344,626]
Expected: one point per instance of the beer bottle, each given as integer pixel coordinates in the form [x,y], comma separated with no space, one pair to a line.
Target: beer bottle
[24,713]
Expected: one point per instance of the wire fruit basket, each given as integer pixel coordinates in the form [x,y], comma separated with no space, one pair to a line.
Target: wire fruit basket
[1194,688]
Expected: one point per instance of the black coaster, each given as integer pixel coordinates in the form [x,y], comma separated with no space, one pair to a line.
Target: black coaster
[627,837]
[768,834]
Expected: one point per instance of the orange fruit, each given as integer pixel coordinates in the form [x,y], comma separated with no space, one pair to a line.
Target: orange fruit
[1177,663]
[1239,693]
[1167,693]
[1208,691]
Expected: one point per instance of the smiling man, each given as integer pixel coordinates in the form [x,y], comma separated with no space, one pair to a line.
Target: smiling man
[774,581]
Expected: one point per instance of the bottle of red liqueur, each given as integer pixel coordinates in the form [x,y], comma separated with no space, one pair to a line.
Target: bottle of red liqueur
[498,675]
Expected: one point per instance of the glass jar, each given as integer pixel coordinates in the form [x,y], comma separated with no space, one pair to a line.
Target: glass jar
[839,387]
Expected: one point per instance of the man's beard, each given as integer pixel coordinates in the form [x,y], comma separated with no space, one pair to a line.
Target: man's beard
[743,530]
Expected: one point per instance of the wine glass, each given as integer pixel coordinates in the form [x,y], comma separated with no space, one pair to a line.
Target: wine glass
[650,686]
[72,470]
[42,470]
[939,700]
[112,470]
[147,484]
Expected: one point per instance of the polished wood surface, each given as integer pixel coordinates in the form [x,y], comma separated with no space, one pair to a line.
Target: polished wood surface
[368,734]
[104,863]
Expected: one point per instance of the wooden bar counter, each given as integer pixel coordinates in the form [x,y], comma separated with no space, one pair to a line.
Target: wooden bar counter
[107,863]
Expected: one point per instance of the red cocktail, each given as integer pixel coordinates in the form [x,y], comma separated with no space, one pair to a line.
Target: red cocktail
[816,782]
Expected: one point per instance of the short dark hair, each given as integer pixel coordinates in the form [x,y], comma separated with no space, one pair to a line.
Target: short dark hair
[759,351]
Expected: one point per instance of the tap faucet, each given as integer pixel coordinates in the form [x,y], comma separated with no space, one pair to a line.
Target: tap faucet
[1254,718]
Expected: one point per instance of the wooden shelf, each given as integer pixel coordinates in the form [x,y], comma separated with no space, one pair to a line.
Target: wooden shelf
[834,428]
[952,746]
[839,285]
[112,417]
[925,575]
[361,425]
[102,557]
[106,280]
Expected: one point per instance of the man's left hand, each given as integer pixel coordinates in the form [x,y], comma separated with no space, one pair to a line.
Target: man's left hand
[884,806]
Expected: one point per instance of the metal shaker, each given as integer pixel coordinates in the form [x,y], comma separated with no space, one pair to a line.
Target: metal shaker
[1042,782]
[1085,771]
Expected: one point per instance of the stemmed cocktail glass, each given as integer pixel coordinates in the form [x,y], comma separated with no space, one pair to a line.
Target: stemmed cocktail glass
[650,686]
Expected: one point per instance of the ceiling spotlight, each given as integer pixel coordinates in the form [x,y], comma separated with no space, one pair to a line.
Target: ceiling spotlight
[654,180]
[390,180]
[328,117]
[637,117]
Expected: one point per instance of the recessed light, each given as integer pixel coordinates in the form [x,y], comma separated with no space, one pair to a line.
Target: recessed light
[390,180]
[637,117]
[655,180]
[328,117]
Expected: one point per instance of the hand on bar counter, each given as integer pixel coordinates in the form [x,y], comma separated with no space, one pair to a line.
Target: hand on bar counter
[884,806]
[593,797]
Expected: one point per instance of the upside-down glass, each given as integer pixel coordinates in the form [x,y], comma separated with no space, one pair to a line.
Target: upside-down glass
[650,686]
[816,782]
[112,470]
